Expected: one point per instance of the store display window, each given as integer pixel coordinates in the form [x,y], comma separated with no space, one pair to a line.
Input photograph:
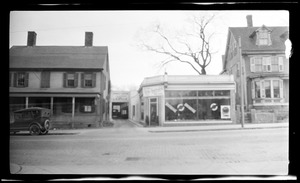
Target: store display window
[195,105]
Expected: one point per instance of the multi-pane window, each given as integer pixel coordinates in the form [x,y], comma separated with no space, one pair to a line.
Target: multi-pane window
[258,64]
[88,80]
[20,79]
[275,65]
[70,80]
[263,37]
[266,64]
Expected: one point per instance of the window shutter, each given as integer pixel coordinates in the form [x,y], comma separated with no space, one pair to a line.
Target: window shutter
[45,81]
[65,80]
[281,88]
[15,79]
[75,80]
[94,80]
[262,86]
[253,89]
[264,63]
[82,80]
[280,63]
[252,64]
[26,79]
[268,60]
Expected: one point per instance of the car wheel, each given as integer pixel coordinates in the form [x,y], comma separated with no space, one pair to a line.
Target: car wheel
[34,129]
[47,125]
[44,132]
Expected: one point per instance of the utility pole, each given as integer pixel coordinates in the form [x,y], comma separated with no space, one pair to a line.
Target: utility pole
[241,83]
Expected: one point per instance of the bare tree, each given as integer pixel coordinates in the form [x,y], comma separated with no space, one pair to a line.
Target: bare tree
[179,49]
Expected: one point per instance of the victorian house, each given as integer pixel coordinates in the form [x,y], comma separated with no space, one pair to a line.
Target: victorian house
[264,70]
[72,81]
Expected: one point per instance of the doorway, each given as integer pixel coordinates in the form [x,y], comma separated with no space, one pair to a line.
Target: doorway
[120,110]
[153,112]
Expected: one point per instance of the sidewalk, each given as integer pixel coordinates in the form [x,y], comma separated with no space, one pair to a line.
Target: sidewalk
[212,127]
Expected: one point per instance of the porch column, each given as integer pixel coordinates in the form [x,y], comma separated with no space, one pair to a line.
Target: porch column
[51,105]
[73,111]
[26,102]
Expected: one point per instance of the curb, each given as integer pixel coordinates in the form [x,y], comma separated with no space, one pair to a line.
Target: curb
[137,124]
[216,129]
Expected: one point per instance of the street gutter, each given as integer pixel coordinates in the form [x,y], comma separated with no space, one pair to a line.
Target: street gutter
[216,129]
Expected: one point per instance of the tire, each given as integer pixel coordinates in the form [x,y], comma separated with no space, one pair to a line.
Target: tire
[34,129]
[47,125]
[44,132]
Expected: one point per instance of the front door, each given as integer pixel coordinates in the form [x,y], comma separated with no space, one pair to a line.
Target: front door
[153,112]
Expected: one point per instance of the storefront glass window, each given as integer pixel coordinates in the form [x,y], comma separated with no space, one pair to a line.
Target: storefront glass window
[181,93]
[181,109]
[206,93]
[205,105]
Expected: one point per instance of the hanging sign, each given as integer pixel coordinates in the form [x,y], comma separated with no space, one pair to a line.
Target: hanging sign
[189,107]
[214,106]
[171,107]
[152,91]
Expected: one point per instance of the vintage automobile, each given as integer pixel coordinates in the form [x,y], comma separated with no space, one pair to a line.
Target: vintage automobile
[36,120]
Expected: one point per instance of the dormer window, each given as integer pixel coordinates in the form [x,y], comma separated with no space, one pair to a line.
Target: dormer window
[263,36]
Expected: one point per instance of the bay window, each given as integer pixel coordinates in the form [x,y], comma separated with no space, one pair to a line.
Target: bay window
[267,91]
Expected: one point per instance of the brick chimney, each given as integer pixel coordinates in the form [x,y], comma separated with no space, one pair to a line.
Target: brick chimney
[31,38]
[249,21]
[88,39]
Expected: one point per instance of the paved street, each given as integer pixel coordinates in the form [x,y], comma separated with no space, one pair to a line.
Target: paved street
[127,149]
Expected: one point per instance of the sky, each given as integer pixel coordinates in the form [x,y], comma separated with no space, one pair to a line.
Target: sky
[122,32]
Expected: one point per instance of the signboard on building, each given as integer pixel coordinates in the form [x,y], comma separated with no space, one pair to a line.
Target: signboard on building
[152,91]
[120,97]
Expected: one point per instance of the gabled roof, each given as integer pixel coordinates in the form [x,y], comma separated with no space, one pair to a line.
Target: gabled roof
[249,42]
[57,57]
